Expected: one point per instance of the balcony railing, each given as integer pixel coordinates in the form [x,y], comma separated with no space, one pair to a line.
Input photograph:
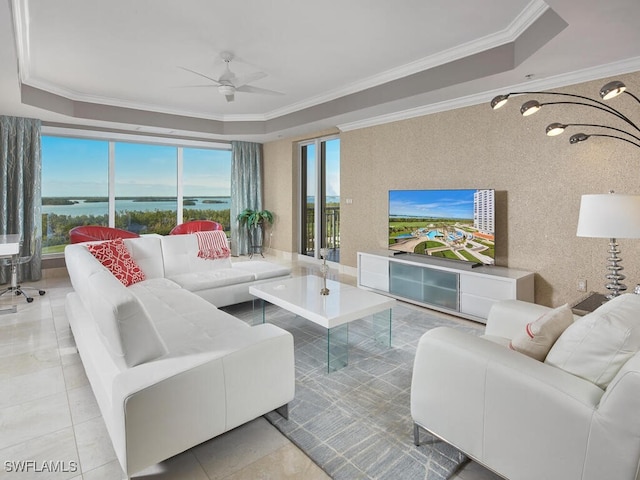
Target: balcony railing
[331,229]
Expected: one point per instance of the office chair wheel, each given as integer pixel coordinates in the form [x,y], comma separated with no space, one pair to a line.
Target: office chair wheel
[41,292]
[29,299]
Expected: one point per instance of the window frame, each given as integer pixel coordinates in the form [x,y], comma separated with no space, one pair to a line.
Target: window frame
[114,137]
[320,187]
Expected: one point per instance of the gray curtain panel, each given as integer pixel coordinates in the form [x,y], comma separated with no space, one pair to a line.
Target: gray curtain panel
[246,189]
[20,190]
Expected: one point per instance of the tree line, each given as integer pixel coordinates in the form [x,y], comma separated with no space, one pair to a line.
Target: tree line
[55,228]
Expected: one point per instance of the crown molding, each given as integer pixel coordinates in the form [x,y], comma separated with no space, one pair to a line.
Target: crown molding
[21,18]
[112,102]
[110,135]
[628,65]
[580,76]
[530,14]
[20,11]
[80,97]
[536,8]
[527,17]
[413,112]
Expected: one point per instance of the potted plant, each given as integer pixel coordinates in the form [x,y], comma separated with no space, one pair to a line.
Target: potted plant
[255,220]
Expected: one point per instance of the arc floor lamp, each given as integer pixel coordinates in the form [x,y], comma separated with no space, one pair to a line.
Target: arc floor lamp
[611,215]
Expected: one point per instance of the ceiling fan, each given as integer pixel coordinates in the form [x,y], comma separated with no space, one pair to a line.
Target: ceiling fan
[228,83]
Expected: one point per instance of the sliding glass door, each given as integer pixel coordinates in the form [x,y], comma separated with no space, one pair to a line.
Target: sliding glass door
[320,198]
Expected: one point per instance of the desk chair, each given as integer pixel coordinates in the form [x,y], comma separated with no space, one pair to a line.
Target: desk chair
[15,262]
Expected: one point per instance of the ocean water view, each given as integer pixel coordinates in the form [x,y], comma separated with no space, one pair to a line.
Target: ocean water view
[84,207]
[139,214]
[329,199]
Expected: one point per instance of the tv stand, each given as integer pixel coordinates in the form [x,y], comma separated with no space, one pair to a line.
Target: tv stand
[450,287]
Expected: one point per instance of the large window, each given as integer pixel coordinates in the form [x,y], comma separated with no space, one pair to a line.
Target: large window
[144,188]
[320,198]
[75,188]
[206,184]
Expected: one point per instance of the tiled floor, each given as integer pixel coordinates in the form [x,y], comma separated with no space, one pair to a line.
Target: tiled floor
[49,416]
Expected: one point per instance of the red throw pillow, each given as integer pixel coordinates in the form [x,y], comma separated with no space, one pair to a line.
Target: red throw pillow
[114,255]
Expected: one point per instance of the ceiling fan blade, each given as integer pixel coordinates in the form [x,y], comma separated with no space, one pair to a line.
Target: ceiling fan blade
[195,86]
[216,82]
[230,98]
[263,91]
[228,77]
[252,77]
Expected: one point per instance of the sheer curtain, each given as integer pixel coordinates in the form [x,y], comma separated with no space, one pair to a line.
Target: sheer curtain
[246,189]
[20,180]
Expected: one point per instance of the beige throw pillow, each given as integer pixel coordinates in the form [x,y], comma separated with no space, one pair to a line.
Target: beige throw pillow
[598,344]
[540,335]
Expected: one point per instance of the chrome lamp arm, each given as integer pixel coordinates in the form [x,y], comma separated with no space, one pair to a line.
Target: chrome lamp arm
[581,137]
[608,91]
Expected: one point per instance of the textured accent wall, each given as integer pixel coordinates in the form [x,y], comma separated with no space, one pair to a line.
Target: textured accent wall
[539,181]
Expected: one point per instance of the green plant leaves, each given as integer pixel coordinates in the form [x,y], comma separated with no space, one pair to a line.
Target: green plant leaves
[253,218]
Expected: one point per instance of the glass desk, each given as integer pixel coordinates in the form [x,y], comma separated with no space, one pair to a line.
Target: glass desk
[10,247]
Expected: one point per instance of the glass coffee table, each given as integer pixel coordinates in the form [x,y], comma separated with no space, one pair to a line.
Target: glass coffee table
[345,303]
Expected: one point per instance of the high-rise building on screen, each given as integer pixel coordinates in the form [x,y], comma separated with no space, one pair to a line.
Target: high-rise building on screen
[483,211]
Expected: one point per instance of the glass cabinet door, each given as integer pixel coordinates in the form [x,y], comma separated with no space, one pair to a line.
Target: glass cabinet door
[406,281]
[440,288]
[424,285]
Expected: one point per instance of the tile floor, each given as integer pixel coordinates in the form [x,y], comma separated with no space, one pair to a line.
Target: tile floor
[49,416]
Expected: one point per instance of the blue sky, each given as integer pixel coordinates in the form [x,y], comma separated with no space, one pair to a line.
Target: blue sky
[78,167]
[332,166]
[431,203]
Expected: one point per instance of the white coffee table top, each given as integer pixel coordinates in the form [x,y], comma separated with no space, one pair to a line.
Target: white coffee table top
[301,295]
[9,244]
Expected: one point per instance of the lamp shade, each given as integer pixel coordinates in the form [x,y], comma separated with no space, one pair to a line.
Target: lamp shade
[609,215]
[612,89]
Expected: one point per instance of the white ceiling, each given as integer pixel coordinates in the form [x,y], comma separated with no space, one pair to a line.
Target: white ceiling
[116,64]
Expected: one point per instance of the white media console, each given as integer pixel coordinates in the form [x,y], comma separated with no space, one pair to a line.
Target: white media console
[443,285]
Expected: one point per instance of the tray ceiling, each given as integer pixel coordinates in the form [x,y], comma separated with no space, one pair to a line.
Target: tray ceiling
[123,64]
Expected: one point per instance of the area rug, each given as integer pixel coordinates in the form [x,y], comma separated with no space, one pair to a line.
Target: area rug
[355,423]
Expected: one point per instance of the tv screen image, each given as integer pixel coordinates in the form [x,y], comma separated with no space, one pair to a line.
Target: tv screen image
[452,224]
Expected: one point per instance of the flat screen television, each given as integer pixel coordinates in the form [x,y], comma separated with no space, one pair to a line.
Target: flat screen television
[452,224]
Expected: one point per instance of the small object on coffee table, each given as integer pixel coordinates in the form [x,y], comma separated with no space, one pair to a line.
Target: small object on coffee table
[325,269]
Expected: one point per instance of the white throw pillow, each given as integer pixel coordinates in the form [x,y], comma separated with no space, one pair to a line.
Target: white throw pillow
[540,335]
[595,346]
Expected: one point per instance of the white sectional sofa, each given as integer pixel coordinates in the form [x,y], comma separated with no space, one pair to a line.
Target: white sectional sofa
[527,419]
[219,281]
[169,369]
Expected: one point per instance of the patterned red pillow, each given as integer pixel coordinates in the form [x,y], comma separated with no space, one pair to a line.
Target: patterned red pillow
[114,255]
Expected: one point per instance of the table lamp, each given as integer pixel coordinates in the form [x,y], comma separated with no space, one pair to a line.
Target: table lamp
[611,216]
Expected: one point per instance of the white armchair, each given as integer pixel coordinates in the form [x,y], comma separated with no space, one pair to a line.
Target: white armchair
[522,418]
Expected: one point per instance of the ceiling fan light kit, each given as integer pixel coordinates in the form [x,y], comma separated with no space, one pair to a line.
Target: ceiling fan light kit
[228,91]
